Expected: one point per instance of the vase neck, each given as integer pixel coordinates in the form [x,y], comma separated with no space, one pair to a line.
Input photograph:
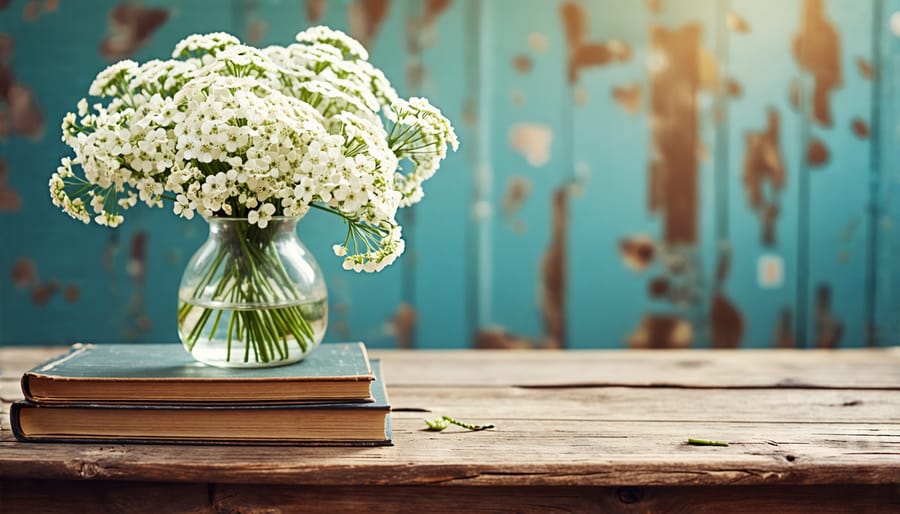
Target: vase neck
[224,227]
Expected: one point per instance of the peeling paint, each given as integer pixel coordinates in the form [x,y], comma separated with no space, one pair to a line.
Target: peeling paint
[538,42]
[865,68]
[71,293]
[522,64]
[554,272]
[733,88]
[737,23]
[784,330]
[765,175]
[137,257]
[403,325]
[860,128]
[24,273]
[828,328]
[532,141]
[581,53]
[256,31]
[518,188]
[654,6]
[817,48]
[726,323]
[130,27]
[637,252]
[629,97]
[658,331]
[674,128]
[817,153]
[42,294]
[365,18]
[315,9]
[10,200]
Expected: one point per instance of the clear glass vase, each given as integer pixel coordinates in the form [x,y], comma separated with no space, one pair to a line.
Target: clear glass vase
[251,296]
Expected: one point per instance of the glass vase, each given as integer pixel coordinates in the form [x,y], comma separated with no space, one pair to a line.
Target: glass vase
[252,297]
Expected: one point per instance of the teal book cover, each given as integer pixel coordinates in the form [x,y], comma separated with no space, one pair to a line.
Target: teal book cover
[166,373]
[341,424]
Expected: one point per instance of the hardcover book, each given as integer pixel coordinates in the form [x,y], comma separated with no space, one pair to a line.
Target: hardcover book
[356,424]
[166,374]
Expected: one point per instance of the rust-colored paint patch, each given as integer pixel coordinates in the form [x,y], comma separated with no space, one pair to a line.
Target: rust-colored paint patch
[726,323]
[470,112]
[733,88]
[433,11]
[654,6]
[10,200]
[794,94]
[42,294]
[4,4]
[674,128]
[130,27]
[71,293]
[629,97]
[500,339]
[860,128]
[315,9]
[51,6]
[403,325]
[522,63]
[817,48]
[24,273]
[817,153]
[518,188]
[256,31]
[784,330]
[582,53]
[828,328]
[737,23]
[553,272]
[709,71]
[137,257]
[765,175]
[19,110]
[532,141]
[660,331]
[865,68]
[365,18]
[659,288]
[31,11]
[637,252]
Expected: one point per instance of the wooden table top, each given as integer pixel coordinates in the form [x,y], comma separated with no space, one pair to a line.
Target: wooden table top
[563,418]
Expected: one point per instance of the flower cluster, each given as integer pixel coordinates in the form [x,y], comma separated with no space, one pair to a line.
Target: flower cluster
[224,129]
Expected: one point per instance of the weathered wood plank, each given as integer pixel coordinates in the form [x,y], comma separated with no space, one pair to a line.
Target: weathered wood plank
[653,404]
[560,436]
[48,497]
[682,368]
[845,369]
[518,452]
[485,500]
[134,498]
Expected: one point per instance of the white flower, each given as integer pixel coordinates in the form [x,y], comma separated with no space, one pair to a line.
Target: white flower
[229,130]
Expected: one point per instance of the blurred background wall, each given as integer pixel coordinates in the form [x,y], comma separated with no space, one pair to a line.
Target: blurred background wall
[653,173]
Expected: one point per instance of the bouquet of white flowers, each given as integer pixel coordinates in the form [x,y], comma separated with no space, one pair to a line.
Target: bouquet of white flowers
[227,130]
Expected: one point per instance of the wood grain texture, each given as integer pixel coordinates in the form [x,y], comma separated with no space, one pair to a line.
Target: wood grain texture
[551,431]
[134,498]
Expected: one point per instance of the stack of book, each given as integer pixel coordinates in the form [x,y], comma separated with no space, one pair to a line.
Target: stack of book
[158,394]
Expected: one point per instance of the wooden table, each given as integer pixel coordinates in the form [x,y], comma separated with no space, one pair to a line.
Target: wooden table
[582,431]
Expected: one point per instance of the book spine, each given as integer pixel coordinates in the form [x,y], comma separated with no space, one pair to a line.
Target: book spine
[14,413]
[26,386]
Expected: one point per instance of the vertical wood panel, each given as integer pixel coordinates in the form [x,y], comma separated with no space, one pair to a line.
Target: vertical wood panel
[839,189]
[762,63]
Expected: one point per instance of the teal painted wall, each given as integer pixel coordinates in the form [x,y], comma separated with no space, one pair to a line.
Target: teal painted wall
[552,226]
